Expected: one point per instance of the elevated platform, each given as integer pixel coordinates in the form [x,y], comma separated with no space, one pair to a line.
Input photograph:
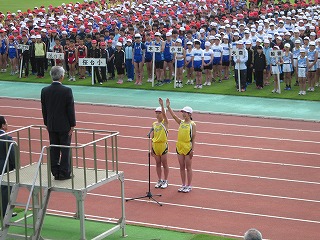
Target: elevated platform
[93,160]
[84,179]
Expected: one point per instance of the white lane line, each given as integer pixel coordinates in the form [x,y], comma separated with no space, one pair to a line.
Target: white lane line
[235,192]
[114,220]
[218,210]
[200,122]
[209,144]
[204,156]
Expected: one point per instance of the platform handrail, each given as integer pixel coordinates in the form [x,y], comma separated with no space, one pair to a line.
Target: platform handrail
[31,194]
[6,169]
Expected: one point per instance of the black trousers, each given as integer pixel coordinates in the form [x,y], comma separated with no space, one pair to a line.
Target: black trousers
[96,75]
[33,65]
[103,73]
[243,78]
[259,78]
[60,157]
[249,74]
[110,66]
[5,198]
[25,66]
[40,62]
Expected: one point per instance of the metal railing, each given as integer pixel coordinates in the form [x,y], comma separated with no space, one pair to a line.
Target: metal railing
[30,140]
[10,145]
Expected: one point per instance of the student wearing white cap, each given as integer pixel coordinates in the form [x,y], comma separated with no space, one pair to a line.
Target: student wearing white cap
[119,62]
[226,56]
[312,67]
[240,63]
[185,145]
[266,50]
[180,63]
[302,68]
[295,55]
[217,60]
[188,63]
[197,60]
[275,65]
[207,63]
[138,58]
[318,63]
[287,66]
[160,145]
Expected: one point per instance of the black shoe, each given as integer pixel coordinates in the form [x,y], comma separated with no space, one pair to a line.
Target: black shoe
[64,177]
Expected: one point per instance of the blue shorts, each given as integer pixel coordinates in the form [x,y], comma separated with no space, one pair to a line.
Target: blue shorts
[137,59]
[225,58]
[180,63]
[216,60]
[197,64]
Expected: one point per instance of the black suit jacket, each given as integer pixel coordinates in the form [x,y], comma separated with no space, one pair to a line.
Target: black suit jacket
[58,107]
[3,152]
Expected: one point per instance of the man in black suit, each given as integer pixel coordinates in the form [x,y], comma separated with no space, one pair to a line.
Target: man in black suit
[59,116]
[4,146]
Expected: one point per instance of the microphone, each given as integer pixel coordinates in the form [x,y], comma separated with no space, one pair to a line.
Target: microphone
[151,130]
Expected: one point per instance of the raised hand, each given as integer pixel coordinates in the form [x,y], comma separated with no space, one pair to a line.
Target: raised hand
[168,102]
[161,102]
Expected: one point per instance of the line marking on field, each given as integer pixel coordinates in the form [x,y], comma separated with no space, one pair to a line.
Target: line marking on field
[200,122]
[218,210]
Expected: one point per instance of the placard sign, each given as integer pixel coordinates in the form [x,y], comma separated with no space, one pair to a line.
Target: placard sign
[276,53]
[152,48]
[176,49]
[23,47]
[93,62]
[54,55]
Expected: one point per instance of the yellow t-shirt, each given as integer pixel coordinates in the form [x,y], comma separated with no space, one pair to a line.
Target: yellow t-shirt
[160,133]
[184,143]
[39,49]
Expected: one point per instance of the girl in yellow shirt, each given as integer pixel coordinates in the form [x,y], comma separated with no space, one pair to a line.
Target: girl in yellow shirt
[160,145]
[185,145]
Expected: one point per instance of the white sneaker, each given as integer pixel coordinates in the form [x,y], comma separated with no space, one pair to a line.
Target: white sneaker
[149,80]
[158,184]
[196,86]
[188,82]
[129,80]
[209,83]
[191,82]
[317,84]
[180,85]
[312,89]
[300,93]
[205,84]
[274,90]
[70,79]
[181,188]
[304,93]
[200,86]
[164,184]
[187,189]
[309,89]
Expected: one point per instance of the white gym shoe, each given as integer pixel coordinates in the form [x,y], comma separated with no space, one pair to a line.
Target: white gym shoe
[300,93]
[187,189]
[205,84]
[158,184]
[209,83]
[164,184]
[188,82]
[200,86]
[196,86]
[303,93]
[181,188]
[312,89]
[274,90]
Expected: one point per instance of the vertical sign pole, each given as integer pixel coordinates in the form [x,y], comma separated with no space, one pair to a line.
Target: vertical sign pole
[20,72]
[153,66]
[92,75]
[239,82]
[175,70]
[278,76]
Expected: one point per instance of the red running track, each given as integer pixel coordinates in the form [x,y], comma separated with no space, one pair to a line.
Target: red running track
[248,172]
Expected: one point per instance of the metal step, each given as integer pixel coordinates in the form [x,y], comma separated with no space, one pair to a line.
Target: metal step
[23,205]
[19,224]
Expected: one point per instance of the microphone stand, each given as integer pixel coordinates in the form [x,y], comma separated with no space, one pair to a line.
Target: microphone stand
[148,194]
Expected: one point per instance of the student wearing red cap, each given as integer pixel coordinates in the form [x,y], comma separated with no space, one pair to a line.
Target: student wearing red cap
[13,54]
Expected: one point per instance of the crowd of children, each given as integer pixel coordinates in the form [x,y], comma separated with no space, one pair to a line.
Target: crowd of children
[209,32]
